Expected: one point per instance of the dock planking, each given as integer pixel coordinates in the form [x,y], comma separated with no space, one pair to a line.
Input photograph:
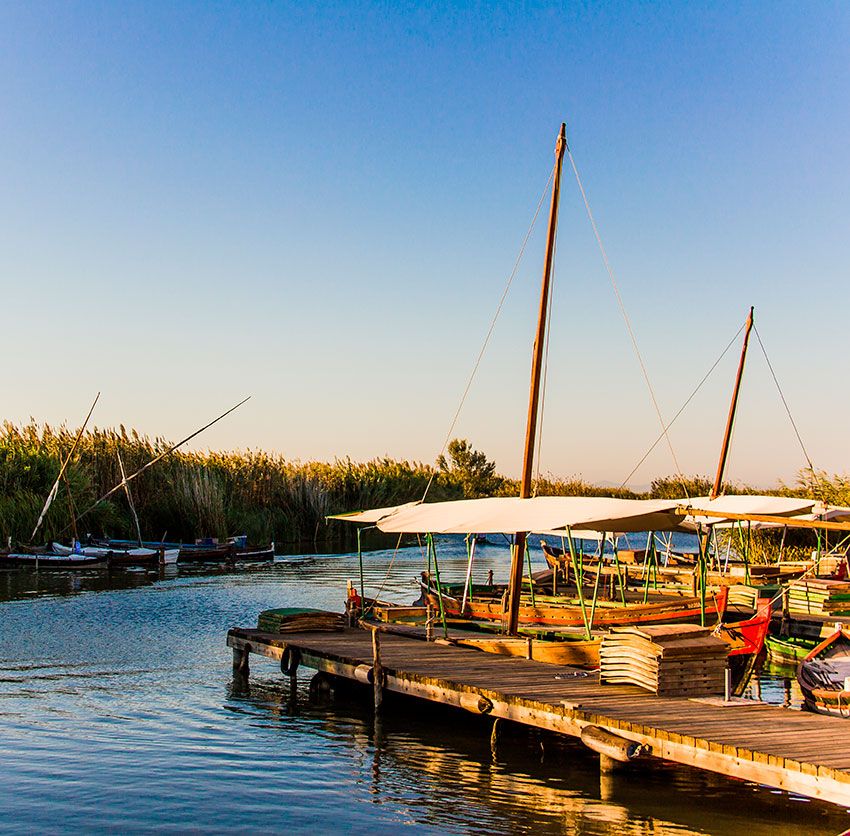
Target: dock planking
[795,751]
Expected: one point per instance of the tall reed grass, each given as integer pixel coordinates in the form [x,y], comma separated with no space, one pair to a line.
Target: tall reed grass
[189,495]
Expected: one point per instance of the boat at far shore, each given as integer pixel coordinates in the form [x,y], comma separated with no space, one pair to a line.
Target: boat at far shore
[206,550]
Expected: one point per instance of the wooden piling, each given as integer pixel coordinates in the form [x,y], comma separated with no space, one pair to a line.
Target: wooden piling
[377,671]
[241,661]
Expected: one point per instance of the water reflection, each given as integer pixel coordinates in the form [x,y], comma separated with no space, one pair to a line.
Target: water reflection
[538,783]
[118,687]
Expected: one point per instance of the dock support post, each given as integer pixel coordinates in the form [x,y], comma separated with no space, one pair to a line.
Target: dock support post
[377,671]
[495,734]
[607,781]
[241,663]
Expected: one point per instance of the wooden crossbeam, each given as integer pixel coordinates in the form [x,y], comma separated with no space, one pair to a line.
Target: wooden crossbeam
[791,522]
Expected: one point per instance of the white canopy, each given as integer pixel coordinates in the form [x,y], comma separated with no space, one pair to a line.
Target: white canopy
[831,513]
[371,516]
[507,515]
[775,506]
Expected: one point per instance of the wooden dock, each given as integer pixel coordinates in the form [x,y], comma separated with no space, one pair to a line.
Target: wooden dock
[800,752]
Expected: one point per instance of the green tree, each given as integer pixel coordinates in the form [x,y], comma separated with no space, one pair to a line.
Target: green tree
[468,470]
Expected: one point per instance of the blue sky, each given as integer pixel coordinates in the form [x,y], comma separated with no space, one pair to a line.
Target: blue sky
[320,205]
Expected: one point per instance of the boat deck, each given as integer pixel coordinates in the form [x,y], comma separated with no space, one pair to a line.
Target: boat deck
[800,752]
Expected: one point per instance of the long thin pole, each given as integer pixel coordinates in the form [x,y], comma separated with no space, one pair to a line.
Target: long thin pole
[157,458]
[727,436]
[791,522]
[515,587]
[129,498]
[52,495]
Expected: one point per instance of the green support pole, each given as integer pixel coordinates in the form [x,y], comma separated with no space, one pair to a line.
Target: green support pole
[530,579]
[701,570]
[617,567]
[593,602]
[649,564]
[433,548]
[360,560]
[578,585]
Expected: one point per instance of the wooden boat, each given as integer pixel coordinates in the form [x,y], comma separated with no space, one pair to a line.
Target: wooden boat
[786,650]
[143,557]
[744,638]
[20,560]
[556,647]
[204,551]
[824,676]
[746,641]
[117,557]
[568,612]
[230,552]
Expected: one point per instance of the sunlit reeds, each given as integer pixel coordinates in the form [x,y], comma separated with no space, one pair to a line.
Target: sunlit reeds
[191,494]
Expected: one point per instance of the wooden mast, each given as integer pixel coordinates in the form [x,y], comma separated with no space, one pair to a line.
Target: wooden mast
[727,436]
[518,554]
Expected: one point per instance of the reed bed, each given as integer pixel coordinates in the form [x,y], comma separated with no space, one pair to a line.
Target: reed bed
[193,494]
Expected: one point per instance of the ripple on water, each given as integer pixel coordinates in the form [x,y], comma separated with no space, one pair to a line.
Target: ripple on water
[119,712]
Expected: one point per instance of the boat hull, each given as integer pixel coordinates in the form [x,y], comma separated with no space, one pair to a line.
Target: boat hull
[824,676]
[51,561]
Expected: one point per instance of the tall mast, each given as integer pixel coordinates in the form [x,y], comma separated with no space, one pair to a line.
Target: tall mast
[727,436]
[518,554]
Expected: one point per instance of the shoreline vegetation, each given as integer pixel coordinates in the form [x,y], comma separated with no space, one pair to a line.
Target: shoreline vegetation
[193,494]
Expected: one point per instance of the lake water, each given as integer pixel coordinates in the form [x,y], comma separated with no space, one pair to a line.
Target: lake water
[118,711]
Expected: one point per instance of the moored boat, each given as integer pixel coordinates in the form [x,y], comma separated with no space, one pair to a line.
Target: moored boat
[785,650]
[116,557]
[49,560]
[824,676]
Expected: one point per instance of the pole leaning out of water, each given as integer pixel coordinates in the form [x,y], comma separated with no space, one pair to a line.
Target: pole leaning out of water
[518,553]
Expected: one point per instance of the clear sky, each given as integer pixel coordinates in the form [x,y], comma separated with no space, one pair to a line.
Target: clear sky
[319,205]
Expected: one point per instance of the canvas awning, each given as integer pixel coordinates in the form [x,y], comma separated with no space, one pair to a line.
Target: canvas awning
[506,515]
[371,516]
[743,504]
[832,513]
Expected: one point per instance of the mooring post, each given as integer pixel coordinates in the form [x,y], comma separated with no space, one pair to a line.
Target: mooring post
[377,670]
[429,622]
[241,660]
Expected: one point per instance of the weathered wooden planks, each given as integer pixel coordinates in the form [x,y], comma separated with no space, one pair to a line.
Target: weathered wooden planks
[804,753]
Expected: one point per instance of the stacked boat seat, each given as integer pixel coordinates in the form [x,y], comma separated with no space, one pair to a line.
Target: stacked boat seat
[295,620]
[667,659]
[819,596]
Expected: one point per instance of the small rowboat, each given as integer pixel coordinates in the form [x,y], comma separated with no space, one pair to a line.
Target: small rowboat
[118,557]
[824,676]
[788,650]
[51,561]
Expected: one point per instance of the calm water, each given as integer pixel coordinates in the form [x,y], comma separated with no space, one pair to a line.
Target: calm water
[118,711]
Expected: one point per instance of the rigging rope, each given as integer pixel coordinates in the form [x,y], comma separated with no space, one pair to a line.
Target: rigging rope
[490,331]
[785,403]
[389,569]
[625,315]
[684,405]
